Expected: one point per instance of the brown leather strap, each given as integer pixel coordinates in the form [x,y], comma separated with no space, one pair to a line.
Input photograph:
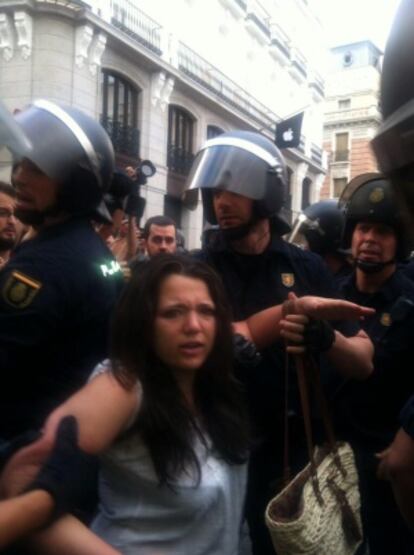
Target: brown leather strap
[307,368]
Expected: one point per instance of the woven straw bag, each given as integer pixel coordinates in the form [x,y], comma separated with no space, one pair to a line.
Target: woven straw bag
[318,512]
[300,521]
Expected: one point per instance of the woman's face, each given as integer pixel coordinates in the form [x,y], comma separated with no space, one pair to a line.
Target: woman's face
[185,323]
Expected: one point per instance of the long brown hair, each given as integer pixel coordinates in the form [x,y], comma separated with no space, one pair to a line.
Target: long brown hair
[165,422]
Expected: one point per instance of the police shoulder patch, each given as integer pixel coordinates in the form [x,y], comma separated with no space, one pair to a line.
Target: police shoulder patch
[288,280]
[20,289]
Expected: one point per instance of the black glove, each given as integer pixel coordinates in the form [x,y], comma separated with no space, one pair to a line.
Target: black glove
[244,351]
[67,471]
[9,448]
[319,336]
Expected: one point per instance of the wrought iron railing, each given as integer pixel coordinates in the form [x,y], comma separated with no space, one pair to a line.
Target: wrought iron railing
[214,81]
[124,138]
[135,23]
[179,160]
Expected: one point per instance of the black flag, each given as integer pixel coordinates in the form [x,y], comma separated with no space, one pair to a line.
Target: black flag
[288,132]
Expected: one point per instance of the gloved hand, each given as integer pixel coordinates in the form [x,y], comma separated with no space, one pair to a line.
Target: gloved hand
[244,351]
[318,336]
[67,471]
[8,448]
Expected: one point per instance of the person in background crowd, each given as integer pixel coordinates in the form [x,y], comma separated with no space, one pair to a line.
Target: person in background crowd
[321,224]
[394,149]
[8,231]
[168,417]
[117,224]
[160,235]
[242,177]
[368,411]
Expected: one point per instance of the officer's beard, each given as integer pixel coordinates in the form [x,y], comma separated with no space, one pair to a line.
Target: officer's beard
[6,244]
[238,232]
[372,267]
[37,218]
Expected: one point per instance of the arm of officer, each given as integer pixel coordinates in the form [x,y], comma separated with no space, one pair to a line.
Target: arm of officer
[102,408]
[352,356]
[68,536]
[264,327]
[397,465]
[24,514]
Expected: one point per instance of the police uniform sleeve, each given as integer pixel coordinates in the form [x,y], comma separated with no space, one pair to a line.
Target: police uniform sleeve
[324,285]
[407,417]
[32,303]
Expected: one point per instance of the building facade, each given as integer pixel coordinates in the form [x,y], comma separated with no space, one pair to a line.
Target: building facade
[162,77]
[352,114]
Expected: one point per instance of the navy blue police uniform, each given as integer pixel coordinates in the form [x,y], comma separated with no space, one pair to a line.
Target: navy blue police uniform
[368,411]
[56,296]
[407,417]
[254,283]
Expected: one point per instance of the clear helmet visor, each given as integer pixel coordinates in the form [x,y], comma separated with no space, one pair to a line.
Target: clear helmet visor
[229,168]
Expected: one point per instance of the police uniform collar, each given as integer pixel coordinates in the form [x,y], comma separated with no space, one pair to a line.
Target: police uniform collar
[392,288]
[276,244]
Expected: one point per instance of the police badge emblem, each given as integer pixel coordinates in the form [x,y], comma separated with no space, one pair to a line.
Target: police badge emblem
[385,319]
[288,280]
[376,195]
[20,290]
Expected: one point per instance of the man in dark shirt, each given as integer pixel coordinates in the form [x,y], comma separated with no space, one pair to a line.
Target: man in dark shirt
[242,177]
[58,289]
[368,411]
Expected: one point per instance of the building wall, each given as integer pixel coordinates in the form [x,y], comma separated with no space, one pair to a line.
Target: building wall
[351,107]
[58,52]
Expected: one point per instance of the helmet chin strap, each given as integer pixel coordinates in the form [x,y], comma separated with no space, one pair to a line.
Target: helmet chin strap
[372,267]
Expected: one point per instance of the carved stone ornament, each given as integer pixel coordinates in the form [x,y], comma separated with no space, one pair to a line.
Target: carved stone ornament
[166,93]
[6,37]
[23,23]
[96,51]
[157,84]
[83,39]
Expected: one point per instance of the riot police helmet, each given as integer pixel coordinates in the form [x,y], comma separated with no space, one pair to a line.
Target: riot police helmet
[242,162]
[68,146]
[322,223]
[369,198]
[394,143]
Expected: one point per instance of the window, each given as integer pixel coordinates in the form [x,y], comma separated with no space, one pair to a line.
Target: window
[120,113]
[348,59]
[180,140]
[339,185]
[341,147]
[344,104]
[306,191]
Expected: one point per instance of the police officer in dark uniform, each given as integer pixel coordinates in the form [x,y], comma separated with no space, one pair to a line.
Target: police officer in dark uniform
[242,177]
[59,288]
[394,149]
[322,224]
[368,411]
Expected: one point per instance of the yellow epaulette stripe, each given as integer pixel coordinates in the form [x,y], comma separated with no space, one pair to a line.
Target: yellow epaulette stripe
[28,281]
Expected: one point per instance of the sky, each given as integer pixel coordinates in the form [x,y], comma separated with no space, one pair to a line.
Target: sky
[353,20]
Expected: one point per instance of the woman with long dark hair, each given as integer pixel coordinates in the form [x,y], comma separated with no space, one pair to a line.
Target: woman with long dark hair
[167,417]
